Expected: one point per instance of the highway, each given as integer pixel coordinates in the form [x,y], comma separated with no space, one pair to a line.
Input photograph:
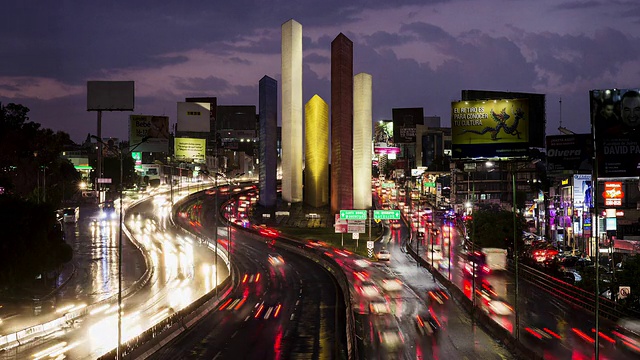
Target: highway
[181,270]
[282,306]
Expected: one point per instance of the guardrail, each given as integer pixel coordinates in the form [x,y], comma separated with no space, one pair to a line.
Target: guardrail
[572,295]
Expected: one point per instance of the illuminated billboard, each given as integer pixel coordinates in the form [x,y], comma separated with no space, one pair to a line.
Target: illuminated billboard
[383,138]
[190,149]
[615,116]
[155,128]
[613,193]
[494,128]
[582,192]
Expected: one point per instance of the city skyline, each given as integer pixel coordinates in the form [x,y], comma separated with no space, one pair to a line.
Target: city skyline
[419,55]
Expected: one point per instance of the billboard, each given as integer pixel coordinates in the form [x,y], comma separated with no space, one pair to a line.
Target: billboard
[383,138]
[110,95]
[194,116]
[613,193]
[615,116]
[404,124]
[156,128]
[582,192]
[537,110]
[490,129]
[190,149]
[567,154]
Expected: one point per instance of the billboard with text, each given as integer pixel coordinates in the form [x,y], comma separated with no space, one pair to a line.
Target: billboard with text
[568,154]
[190,149]
[615,115]
[404,124]
[155,128]
[490,129]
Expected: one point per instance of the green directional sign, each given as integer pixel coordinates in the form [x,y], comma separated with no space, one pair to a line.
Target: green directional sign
[429,184]
[353,214]
[386,214]
[388,185]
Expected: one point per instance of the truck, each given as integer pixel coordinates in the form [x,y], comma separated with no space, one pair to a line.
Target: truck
[496,258]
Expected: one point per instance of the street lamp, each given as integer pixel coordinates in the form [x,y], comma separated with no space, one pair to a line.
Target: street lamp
[131,148]
[515,243]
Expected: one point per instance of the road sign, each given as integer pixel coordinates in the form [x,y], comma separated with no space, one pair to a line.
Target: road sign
[386,214]
[355,236]
[340,225]
[104,180]
[624,292]
[351,228]
[369,244]
[388,185]
[429,184]
[353,214]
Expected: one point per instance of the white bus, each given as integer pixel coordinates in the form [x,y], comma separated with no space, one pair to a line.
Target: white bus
[71,214]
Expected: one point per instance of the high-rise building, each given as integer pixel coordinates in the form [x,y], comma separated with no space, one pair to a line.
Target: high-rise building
[341,124]
[292,111]
[316,146]
[362,141]
[268,135]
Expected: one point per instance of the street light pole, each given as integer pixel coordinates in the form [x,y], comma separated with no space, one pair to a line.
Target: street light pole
[515,254]
[131,148]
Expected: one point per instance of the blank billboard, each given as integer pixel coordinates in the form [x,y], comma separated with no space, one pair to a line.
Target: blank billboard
[110,95]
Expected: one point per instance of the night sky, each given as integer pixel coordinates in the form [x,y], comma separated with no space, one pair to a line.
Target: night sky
[420,53]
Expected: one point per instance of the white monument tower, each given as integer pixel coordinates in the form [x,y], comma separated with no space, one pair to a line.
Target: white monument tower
[362,141]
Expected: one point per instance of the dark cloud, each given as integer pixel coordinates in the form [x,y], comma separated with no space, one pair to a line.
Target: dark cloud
[383,38]
[314,58]
[208,83]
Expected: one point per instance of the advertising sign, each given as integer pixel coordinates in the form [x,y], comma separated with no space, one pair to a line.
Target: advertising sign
[404,124]
[615,116]
[156,128]
[567,154]
[582,192]
[613,193]
[194,116]
[190,149]
[496,128]
[340,225]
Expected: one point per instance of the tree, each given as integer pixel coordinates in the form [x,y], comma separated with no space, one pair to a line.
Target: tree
[494,228]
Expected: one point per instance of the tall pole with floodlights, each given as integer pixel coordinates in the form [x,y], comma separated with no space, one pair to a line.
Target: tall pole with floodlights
[120,193]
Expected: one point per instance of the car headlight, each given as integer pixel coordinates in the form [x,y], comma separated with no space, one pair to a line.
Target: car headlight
[102,215]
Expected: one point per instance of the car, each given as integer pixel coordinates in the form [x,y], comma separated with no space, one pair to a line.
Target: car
[390,338]
[427,324]
[571,276]
[627,331]
[275,259]
[395,224]
[368,289]
[379,307]
[391,285]
[437,296]
[383,255]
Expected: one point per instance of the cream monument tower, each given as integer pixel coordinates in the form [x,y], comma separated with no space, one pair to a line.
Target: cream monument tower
[292,111]
[362,143]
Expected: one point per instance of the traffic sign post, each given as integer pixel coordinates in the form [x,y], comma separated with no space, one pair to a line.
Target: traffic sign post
[353,214]
[386,214]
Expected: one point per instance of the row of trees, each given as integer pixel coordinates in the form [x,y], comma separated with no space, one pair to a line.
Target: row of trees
[34,181]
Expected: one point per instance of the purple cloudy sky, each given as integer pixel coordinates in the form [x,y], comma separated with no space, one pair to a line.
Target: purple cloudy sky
[421,53]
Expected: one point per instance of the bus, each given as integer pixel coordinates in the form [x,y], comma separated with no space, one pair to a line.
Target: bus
[71,214]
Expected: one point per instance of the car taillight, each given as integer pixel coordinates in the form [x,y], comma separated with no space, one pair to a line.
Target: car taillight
[486,269]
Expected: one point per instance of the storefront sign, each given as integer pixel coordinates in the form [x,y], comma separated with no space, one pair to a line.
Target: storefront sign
[613,193]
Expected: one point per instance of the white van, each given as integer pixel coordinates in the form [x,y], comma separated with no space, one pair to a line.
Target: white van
[71,214]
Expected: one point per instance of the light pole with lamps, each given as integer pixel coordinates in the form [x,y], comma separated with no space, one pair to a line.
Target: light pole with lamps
[131,148]
[515,244]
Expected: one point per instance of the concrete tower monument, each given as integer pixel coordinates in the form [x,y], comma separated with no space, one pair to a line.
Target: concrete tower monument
[292,111]
[362,141]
